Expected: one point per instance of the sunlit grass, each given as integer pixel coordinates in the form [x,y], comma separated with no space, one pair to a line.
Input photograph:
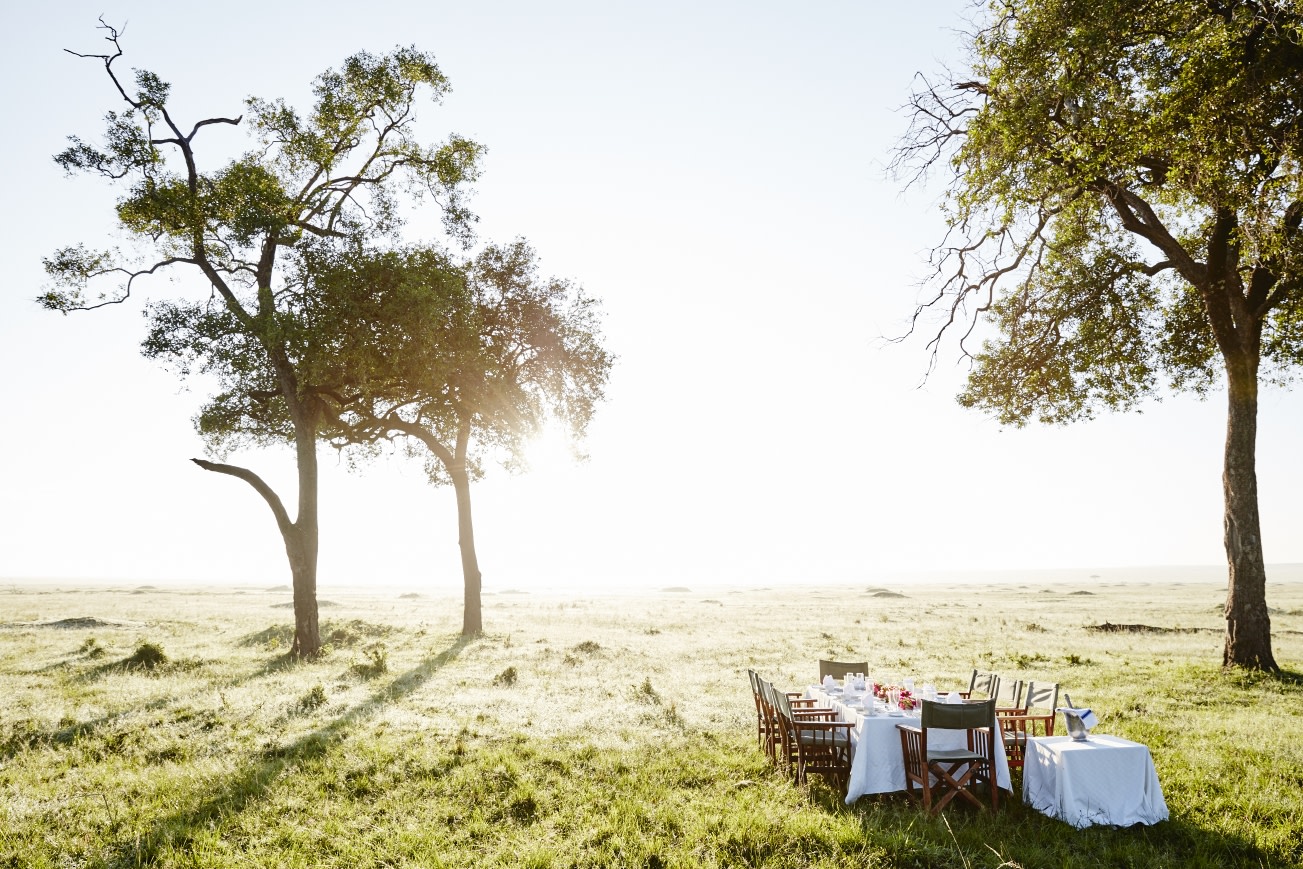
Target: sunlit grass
[599,731]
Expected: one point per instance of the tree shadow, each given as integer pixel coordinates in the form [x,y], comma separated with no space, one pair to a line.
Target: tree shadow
[71,733]
[245,788]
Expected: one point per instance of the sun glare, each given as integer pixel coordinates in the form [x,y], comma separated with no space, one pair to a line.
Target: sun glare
[551,452]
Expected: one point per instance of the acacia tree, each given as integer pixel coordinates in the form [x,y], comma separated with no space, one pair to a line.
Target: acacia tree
[1125,210]
[338,173]
[465,362]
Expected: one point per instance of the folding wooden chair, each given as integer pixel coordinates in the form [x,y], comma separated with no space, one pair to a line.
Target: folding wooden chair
[940,774]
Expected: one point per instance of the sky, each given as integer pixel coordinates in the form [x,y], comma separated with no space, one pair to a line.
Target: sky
[715,173]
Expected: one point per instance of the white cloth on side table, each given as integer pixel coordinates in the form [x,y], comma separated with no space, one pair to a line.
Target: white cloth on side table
[1102,780]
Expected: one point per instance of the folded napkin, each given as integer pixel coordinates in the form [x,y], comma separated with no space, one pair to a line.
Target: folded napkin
[954,697]
[829,682]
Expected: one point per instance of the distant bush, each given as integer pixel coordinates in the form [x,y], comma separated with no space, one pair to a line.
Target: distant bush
[506,677]
[147,657]
[314,699]
[645,693]
[588,647]
[377,662]
[1025,661]
[92,649]
[672,715]
[352,632]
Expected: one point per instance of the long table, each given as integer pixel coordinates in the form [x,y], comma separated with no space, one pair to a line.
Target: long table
[877,765]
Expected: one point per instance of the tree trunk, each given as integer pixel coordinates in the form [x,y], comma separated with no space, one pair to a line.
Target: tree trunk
[303,554]
[300,546]
[472,618]
[303,568]
[1248,626]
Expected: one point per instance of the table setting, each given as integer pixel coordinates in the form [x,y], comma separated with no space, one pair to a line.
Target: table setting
[874,710]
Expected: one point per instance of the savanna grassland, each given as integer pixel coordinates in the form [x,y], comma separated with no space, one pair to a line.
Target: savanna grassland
[156,727]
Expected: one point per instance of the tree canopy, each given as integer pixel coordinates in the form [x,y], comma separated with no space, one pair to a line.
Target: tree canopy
[467,361]
[1125,207]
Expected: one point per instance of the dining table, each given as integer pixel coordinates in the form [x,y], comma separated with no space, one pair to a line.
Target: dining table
[877,761]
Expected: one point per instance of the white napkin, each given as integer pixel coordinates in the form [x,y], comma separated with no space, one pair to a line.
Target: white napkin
[953,697]
[829,682]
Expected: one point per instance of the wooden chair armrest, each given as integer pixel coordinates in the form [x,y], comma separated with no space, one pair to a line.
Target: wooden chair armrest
[823,725]
[1044,718]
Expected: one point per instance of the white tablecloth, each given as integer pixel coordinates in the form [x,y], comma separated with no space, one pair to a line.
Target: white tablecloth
[877,765]
[1104,780]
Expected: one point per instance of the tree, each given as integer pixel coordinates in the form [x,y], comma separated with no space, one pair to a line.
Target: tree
[1124,211]
[466,362]
[339,173]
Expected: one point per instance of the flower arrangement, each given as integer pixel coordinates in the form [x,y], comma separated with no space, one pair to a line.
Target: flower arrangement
[905,698]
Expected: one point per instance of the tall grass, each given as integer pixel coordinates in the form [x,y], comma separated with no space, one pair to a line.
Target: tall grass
[624,735]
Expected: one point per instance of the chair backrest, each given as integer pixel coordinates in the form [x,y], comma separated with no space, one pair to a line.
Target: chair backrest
[985,683]
[778,699]
[756,691]
[1015,693]
[1042,695]
[839,669]
[958,716]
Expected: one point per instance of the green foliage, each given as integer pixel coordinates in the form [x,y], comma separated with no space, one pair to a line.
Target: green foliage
[469,359]
[1127,196]
[334,174]
[506,678]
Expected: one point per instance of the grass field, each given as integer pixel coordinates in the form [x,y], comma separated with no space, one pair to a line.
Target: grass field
[598,731]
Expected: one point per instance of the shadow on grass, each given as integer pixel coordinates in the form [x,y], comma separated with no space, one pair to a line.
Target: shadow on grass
[1021,836]
[243,789]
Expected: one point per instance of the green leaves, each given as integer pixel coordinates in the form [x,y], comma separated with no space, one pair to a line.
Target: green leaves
[72,269]
[1078,335]
[471,358]
[1124,177]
